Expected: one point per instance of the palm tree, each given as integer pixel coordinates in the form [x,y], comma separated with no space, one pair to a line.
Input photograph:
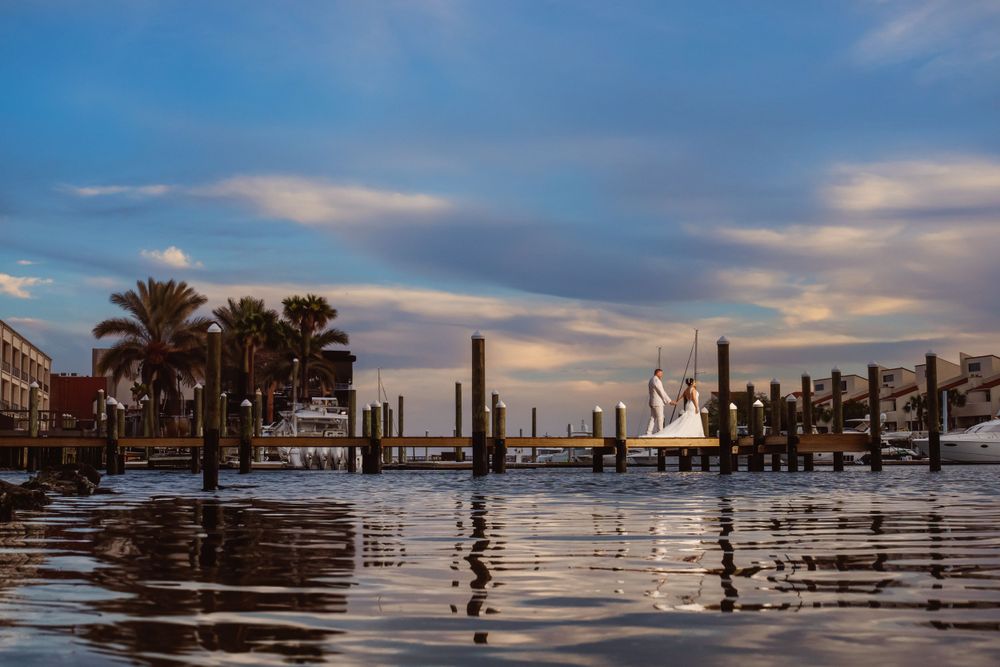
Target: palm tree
[306,336]
[248,326]
[956,399]
[160,337]
[917,404]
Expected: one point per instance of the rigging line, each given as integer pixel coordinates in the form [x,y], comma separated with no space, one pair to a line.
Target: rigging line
[683,377]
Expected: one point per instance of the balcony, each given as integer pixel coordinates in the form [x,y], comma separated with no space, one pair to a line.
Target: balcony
[6,367]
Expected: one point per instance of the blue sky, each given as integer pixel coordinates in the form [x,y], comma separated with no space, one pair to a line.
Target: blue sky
[583,182]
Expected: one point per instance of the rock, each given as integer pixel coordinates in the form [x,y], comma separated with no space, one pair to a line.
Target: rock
[70,479]
[24,497]
[6,507]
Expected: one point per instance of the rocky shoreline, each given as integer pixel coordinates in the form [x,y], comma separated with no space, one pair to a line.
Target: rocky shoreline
[69,479]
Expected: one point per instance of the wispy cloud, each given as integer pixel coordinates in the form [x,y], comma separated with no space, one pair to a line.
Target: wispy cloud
[944,38]
[172,256]
[25,262]
[317,202]
[17,286]
[960,182]
[152,190]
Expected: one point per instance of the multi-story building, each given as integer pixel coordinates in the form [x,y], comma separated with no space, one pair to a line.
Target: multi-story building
[23,363]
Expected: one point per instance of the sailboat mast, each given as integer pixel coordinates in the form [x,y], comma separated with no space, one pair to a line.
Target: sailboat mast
[695,376]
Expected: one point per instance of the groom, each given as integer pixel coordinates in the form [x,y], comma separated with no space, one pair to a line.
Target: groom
[657,399]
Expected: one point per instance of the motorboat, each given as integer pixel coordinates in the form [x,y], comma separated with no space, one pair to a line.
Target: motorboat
[322,417]
[896,445]
[976,444]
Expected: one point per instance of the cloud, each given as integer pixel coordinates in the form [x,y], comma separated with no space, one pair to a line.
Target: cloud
[153,190]
[25,262]
[944,39]
[946,184]
[16,286]
[317,202]
[812,239]
[172,256]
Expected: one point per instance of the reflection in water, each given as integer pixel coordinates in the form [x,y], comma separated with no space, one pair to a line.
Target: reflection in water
[549,567]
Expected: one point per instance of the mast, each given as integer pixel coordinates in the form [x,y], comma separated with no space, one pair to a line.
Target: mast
[695,376]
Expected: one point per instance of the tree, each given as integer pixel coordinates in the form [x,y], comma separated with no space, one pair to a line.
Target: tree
[160,337]
[917,404]
[305,335]
[248,326]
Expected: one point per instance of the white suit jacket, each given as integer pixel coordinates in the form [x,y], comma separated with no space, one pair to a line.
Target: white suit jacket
[657,396]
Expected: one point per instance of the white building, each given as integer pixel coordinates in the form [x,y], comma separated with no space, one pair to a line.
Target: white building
[23,363]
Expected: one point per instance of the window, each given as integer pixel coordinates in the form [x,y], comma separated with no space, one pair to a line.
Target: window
[974,366]
[843,385]
[819,386]
[888,377]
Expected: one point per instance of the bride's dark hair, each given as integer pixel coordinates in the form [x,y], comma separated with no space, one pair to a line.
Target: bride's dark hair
[689,381]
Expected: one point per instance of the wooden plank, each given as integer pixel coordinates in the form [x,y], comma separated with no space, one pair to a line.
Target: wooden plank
[673,443]
[55,441]
[420,441]
[565,443]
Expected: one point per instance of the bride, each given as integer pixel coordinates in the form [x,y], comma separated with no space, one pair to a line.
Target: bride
[688,424]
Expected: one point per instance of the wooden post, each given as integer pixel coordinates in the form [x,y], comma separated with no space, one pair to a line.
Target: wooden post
[734,434]
[621,444]
[775,420]
[111,433]
[500,438]
[494,399]
[757,429]
[213,382]
[725,441]
[295,382]
[376,439]
[874,425]
[366,432]
[100,415]
[597,431]
[223,415]
[933,402]
[751,397]
[459,452]
[792,450]
[33,425]
[534,433]
[401,454]
[196,430]
[837,425]
[352,429]
[480,423]
[661,460]
[120,431]
[258,422]
[147,427]
[807,418]
[705,457]
[246,436]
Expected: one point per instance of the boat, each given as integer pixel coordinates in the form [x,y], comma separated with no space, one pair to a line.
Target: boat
[322,417]
[896,445]
[976,444]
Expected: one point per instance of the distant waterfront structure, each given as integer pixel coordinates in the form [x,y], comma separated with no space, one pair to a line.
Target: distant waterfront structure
[122,390]
[23,363]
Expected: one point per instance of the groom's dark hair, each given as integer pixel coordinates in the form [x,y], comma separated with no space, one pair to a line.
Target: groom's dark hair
[658,370]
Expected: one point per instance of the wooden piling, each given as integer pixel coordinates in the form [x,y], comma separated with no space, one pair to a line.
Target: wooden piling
[661,460]
[500,438]
[376,440]
[776,408]
[147,427]
[246,435]
[258,422]
[34,425]
[757,430]
[597,431]
[725,441]
[534,433]
[621,444]
[352,429]
[401,454]
[874,424]
[211,411]
[111,435]
[480,455]
[750,398]
[792,440]
[807,418]
[459,452]
[196,427]
[101,415]
[494,399]
[933,412]
[705,457]
[734,434]
[837,425]
[366,432]
[120,430]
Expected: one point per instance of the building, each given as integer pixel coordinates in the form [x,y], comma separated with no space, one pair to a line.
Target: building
[76,395]
[23,363]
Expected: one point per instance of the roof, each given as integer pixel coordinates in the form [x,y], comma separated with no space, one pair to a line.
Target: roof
[905,390]
[990,382]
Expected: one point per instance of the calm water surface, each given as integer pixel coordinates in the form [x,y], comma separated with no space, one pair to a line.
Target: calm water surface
[558,567]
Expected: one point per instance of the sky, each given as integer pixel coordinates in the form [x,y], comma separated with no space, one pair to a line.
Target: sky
[583,182]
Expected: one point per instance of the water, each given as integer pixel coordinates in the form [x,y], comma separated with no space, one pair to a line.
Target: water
[557,567]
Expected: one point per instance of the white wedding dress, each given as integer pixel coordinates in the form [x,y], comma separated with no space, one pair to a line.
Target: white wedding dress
[686,425]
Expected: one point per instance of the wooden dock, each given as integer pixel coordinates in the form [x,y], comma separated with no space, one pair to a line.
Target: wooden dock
[488,443]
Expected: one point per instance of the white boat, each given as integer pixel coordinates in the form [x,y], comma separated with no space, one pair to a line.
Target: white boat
[320,418]
[896,445]
[976,444]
